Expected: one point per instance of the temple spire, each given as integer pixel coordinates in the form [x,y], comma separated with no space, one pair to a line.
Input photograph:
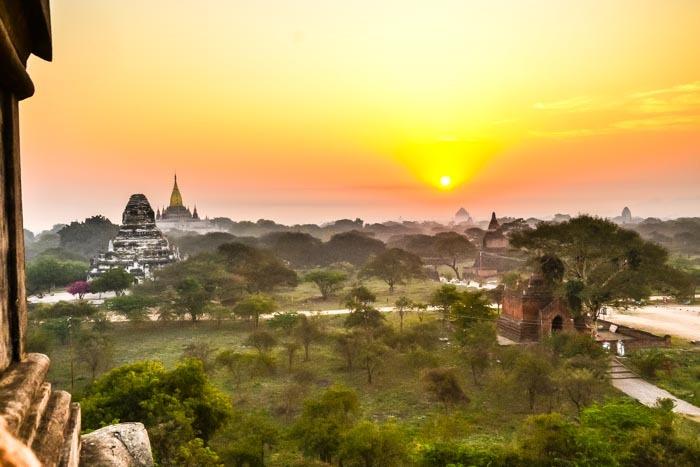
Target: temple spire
[175,197]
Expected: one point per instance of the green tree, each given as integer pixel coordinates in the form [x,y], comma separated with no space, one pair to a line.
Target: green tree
[239,365]
[402,306]
[218,312]
[47,273]
[261,270]
[347,344]
[370,356]
[95,352]
[201,351]
[580,385]
[307,332]
[191,298]
[478,346]
[602,262]
[290,348]
[533,372]
[328,281]
[262,340]
[369,444]
[359,301]
[195,454]
[443,298]
[244,441]
[133,307]
[444,385]
[324,420]
[176,406]
[115,280]
[283,321]
[394,266]
[453,248]
[255,305]
[469,309]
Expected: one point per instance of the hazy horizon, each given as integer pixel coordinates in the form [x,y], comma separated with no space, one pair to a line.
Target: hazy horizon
[310,111]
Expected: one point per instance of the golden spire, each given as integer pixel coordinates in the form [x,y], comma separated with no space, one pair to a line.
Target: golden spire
[175,197]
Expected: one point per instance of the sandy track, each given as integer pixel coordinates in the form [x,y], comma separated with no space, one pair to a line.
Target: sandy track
[677,320]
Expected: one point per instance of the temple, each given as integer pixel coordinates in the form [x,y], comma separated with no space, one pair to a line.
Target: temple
[179,217]
[533,314]
[139,247]
[462,216]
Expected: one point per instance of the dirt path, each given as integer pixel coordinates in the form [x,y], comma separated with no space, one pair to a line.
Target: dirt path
[646,393]
[677,320]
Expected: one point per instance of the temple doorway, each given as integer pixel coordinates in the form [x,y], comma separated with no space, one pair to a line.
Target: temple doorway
[557,324]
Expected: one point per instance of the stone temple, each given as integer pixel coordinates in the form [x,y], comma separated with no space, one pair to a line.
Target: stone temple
[179,217]
[139,247]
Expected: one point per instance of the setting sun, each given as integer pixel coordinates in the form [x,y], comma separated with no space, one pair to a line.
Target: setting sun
[445,181]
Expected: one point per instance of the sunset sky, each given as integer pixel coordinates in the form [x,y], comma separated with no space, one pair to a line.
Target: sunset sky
[309,111]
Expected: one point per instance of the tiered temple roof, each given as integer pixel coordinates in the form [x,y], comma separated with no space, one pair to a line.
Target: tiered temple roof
[139,247]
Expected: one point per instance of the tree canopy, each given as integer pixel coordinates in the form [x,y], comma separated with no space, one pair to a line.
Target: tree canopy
[394,266]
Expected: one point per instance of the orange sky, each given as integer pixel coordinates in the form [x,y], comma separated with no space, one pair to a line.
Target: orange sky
[308,111]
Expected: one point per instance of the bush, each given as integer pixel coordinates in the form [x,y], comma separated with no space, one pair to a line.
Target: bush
[443,384]
[649,361]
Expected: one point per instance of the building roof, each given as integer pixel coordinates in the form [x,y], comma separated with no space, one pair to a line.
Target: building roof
[175,196]
[493,225]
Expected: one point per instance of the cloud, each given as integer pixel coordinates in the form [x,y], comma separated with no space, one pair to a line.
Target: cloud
[675,99]
[573,104]
[665,121]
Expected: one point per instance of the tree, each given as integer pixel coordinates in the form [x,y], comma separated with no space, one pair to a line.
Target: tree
[176,405]
[285,322]
[352,247]
[245,439]
[602,262]
[359,301]
[402,306]
[113,280]
[469,309]
[79,288]
[443,298]
[46,273]
[307,332]
[579,385]
[394,266]
[478,345]
[200,351]
[324,420]
[261,270]
[195,454]
[255,305]
[533,372]
[218,312]
[89,237]
[263,341]
[300,249]
[133,307]
[328,281]
[370,356]
[347,344]
[452,249]
[239,365]
[443,384]
[95,352]
[369,444]
[291,349]
[191,298]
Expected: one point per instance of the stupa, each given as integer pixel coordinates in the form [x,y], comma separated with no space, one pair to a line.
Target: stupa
[139,247]
[178,217]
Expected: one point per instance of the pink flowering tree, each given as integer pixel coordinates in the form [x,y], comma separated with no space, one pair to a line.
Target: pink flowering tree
[79,288]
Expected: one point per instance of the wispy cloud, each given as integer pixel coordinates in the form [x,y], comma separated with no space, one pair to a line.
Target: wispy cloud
[573,104]
[675,107]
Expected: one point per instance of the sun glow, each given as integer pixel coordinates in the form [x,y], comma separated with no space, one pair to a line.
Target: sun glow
[445,181]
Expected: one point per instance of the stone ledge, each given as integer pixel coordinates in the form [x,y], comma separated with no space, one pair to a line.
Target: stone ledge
[122,445]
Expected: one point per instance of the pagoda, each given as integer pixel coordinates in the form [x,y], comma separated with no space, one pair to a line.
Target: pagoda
[178,217]
[139,247]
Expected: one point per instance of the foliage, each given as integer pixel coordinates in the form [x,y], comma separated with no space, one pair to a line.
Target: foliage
[201,351]
[46,273]
[443,384]
[307,332]
[533,371]
[328,281]
[443,298]
[176,406]
[218,312]
[283,321]
[79,288]
[324,420]
[88,237]
[453,248]
[62,309]
[239,365]
[133,307]
[402,306]
[649,361]
[478,342]
[95,352]
[602,262]
[262,340]
[351,247]
[394,266]
[369,444]
[469,309]
[359,301]
[255,305]
[245,439]
[261,270]
[113,280]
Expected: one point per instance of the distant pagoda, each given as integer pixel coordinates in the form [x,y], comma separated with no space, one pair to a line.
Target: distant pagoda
[179,217]
[462,216]
[139,246]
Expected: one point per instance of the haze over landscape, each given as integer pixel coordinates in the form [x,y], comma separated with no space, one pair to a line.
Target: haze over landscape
[310,111]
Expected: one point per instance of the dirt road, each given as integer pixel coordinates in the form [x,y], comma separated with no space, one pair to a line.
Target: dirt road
[677,320]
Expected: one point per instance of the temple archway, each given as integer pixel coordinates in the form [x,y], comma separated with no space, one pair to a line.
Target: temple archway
[557,324]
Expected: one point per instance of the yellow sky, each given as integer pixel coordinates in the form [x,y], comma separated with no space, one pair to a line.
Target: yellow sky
[313,110]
